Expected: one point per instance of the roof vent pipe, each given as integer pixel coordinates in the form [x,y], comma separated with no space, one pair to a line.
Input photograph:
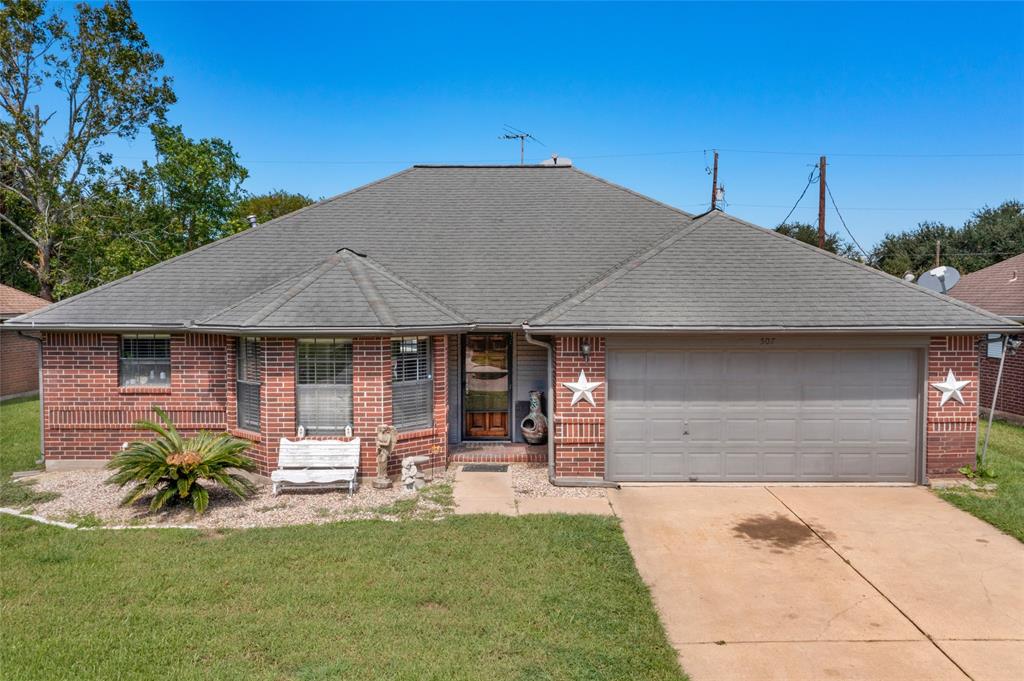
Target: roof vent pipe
[252,220]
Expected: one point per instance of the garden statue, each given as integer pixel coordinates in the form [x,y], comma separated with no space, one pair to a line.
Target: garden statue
[387,438]
[535,426]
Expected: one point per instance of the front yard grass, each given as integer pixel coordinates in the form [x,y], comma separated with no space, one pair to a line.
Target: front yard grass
[1003,507]
[19,435]
[469,597]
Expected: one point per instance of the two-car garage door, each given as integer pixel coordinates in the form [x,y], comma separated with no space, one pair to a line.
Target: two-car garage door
[814,415]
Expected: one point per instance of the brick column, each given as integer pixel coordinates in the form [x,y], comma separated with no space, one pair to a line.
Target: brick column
[579,429]
[371,396]
[952,432]
[277,399]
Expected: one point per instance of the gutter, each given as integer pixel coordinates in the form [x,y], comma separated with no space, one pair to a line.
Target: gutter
[784,330]
[39,370]
[558,482]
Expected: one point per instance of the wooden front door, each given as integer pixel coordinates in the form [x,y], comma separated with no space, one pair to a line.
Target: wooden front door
[486,383]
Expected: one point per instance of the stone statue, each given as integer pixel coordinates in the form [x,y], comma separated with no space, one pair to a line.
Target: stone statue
[387,438]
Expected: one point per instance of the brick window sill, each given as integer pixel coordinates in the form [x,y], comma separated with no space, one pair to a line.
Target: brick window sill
[414,434]
[246,434]
[144,390]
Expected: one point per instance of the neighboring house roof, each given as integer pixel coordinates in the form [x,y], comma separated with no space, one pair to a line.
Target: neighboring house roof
[998,288]
[14,302]
[497,246]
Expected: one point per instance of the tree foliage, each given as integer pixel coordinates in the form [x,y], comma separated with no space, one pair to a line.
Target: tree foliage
[108,79]
[801,231]
[989,236]
[268,206]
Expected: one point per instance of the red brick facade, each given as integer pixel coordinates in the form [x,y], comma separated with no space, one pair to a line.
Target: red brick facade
[88,416]
[952,429]
[579,428]
[1011,389]
[19,364]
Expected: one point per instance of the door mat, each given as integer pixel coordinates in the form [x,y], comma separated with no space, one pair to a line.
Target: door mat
[485,468]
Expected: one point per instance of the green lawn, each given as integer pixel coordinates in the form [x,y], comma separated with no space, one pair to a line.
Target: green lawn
[1004,507]
[473,597]
[19,435]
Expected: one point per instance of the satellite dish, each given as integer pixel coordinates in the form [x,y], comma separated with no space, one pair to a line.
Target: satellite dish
[940,279]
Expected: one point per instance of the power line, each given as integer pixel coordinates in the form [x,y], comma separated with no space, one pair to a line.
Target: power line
[810,179]
[852,237]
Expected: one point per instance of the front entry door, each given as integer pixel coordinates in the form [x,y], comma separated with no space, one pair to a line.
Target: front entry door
[486,384]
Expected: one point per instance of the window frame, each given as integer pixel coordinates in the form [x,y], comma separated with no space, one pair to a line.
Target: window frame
[423,375]
[994,345]
[307,391]
[248,382]
[156,363]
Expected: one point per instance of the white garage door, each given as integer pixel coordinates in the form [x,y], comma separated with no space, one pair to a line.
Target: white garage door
[814,415]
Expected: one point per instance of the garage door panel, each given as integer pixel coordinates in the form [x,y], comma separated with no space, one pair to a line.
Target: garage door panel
[764,415]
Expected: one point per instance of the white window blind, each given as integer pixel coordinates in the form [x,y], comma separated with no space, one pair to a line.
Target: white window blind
[412,383]
[324,385]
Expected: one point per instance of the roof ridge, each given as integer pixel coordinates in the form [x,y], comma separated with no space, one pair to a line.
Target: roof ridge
[304,281]
[356,267]
[619,270]
[868,268]
[634,193]
[209,246]
[415,290]
[1008,262]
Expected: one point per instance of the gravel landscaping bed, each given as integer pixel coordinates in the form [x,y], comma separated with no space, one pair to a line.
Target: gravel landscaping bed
[86,499]
[530,480]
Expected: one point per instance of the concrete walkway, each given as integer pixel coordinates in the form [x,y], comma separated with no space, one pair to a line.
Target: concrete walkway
[810,583]
[492,493]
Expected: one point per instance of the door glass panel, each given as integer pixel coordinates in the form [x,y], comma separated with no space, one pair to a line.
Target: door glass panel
[486,391]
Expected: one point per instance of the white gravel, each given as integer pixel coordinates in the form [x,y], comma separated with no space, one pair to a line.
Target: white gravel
[530,480]
[85,493]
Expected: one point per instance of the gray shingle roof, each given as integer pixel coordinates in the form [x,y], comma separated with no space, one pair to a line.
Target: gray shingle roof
[347,291]
[496,245]
[724,273]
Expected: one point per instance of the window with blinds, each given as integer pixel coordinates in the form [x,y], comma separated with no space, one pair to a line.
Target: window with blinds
[247,383]
[994,346]
[324,385]
[145,359]
[412,383]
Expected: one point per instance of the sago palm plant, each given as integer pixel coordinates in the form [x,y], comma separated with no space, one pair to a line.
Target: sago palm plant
[172,465]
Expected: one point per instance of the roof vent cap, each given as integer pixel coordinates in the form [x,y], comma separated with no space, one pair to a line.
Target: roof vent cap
[556,160]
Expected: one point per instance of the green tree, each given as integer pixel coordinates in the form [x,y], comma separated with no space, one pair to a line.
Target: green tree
[990,235]
[801,231]
[102,69]
[268,206]
[139,217]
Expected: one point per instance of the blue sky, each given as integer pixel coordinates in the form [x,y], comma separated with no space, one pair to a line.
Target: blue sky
[319,98]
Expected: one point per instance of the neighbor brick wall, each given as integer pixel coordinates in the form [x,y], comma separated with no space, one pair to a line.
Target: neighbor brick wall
[1011,389]
[19,364]
[579,429]
[88,415]
[952,430]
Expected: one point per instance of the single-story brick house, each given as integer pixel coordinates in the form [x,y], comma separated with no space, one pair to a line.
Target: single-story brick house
[999,289]
[19,356]
[671,346]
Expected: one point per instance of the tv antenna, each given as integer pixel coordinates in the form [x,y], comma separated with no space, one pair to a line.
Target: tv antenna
[517,134]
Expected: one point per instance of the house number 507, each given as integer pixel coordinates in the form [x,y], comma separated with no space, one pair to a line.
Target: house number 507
[767,340]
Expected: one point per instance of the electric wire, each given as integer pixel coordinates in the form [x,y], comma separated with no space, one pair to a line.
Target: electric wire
[852,237]
[810,179]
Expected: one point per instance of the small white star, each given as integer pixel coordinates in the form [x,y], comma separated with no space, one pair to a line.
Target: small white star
[951,389]
[583,389]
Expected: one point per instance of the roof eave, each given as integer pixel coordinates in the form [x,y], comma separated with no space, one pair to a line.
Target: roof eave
[682,330]
[243,330]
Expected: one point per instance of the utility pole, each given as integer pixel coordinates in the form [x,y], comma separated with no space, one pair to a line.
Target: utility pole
[821,203]
[714,183]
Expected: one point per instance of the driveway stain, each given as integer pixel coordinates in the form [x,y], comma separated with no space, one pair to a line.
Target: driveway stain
[778,531]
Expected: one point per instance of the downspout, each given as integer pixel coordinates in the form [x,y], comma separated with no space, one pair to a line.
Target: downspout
[39,370]
[558,482]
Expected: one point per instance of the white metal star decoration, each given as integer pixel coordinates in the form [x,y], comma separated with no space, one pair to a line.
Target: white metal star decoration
[951,389]
[583,389]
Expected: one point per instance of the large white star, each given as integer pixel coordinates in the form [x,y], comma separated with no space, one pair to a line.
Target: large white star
[951,388]
[583,389]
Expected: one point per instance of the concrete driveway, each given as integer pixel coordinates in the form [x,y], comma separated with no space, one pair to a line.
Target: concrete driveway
[813,583]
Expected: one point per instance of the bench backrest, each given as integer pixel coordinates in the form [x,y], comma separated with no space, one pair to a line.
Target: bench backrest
[318,454]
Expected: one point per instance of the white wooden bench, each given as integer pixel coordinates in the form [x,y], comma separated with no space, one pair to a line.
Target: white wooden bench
[316,463]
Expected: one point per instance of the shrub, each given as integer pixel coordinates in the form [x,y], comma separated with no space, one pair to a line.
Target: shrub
[172,466]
